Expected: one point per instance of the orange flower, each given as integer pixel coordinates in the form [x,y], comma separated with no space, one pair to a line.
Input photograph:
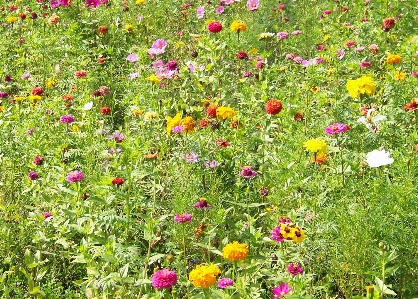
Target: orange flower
[393,59]
[204,276]
[235,251]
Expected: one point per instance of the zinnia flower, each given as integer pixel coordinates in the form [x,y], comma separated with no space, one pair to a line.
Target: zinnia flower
[393,59]
[117,181]
[204,276]
[33,175]
[164,279]
[282,35]
[378,158]
[235,251]
[294,269]
[411,106]
[181,218]
[388,24]
[247,172]
[67,119]
[282,290]
[202,204]
[336,128]
[224,112]
[273,107]
[215,27]
[276,234]
[225,282]
[238,26]
[75,176]
[38,160]
[315,145]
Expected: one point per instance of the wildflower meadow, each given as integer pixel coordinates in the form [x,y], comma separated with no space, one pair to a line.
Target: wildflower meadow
[236,149]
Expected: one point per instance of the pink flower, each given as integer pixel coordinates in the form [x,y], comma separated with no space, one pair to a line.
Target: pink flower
[180,218]
[296,32]
[336,129]
[200,12]
[47,216]
[364,64]
[252,5]
[74,176]
[282,290]
[327,12]
[92,3]
[158,47]
[220,10]
[247,172]
[276,234]
[132,57]
[225,282]
[320,47]
[350,43]
[294,269]
[164,279]
[282,35]
[341,54]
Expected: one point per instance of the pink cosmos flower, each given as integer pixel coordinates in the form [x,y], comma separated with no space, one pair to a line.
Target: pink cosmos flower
[252,5]
[92,3]
[158,47]
[336,129]
[132,57]
[180,218]
[164,279]
[220,10]
[57,3]
[282,290]
[200,12]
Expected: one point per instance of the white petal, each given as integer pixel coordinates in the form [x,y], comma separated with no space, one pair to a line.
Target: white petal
[88,106]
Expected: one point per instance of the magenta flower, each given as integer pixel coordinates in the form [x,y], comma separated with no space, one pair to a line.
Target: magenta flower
[38,160]
[3,94]
[202,204]
[33,175]
[47,216]
[364,64]
[67,119]
[211,164]
[276,234]
[327,12]
[56,3]
[158,47]
[177,129]
[225,282]
[74,176]
[164,279]
[247,172]
[285,220]
[92,3]
[181,218]
[252,5]
[294,269]
[341,54]
[200,12]
[282,35]
[132,57]
[336,129]
[172,65]
[118,136]
[220,10]
[282,290]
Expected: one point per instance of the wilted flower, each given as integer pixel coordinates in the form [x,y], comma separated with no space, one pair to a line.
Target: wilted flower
[378,158]
[388,24]
[118,136]
[38,160]
[211,164]
[370,121]
[411,106]
[164,279]
[202,204]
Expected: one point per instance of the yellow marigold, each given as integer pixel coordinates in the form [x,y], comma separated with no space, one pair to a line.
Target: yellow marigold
[204,276]
[352,88]
[34,98]
[153,78]
[235,251]
[361,85]
[315,145]
[50,83]
[393,59]
[238,26]
[129,28]
[172,122]
[399,75]
[224,112]
[18,99]
[11,19]
[188,124]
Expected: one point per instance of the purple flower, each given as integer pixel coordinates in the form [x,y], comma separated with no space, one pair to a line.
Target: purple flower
[282,35]
[3,94]
[92,3]
[132,57]
[33,175]
[341,54]
[191,158]
[177,129]
[202,204]
[158,47]
[276,234]
[298,59]
[247,172]
[200,12]
[67,119]
[47,216]
[180,218]
[25,76]
[336,129]
[74,176]
[211,164]
[225,282]
[118,136]
[172,65]
[282,290]
[294,269]
[220,10]
[164,279]
[56,3]
[364,64]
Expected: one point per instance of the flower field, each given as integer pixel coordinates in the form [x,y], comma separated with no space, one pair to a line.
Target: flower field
[209,149]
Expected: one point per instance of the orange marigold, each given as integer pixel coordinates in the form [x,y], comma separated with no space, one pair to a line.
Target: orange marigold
[235,251]
[204,276]
[393,59]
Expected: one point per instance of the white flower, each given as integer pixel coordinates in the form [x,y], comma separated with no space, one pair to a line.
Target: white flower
[88,106]
[371,122]
[378,158]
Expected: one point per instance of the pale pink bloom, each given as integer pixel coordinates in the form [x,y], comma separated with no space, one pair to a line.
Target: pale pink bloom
[200,12]
[158,47]
[252,5]
[220,10]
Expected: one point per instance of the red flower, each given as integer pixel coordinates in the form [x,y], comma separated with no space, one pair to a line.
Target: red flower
[117,181]
[68,97]
[211,111]
[80,74]
[242,55]
[203,123]
[388,24]
[105,110]
[37,91]
[273,106]
[215,27]
[222,143]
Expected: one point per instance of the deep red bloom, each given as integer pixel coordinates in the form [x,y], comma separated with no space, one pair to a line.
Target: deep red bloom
[80,74]
[242,55]
[215,27]
[37,91]
[222,142]
[203,123]
[273,106]
[105,110]
[388,24]
[211,111]
[117,181]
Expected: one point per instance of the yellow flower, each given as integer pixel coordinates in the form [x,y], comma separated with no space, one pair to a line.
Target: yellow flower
[393,59]
[399,75]
[224,112]
[75,129]
[238,26]
[362,85]
[137,111]
[129,28]
[235,251]
[271,208]
[352,88]
[18,99]
[326,37]
[153,78]
[172,122]
[34,98]
[188,124]
[140,1]
[315,145]
[50,83]
[298,235]
[253,51]
[11,19]
[150,115]
[204,276]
